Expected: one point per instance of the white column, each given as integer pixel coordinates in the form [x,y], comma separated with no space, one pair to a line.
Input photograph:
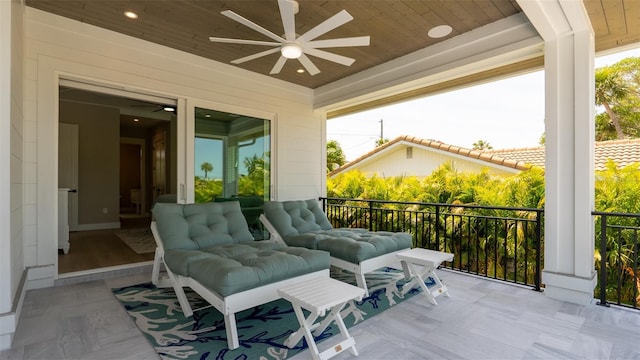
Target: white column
[7,321]
[568,272]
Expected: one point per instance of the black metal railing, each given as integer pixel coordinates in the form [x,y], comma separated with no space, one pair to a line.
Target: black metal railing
[496,242]
[617,259]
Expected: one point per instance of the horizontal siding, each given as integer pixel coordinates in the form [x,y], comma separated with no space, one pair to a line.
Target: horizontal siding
[59,45]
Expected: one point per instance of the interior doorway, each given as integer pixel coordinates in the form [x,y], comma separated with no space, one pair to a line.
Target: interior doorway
[133,197]
[115,177]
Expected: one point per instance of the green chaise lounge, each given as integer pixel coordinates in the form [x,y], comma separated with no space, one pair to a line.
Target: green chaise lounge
[303,223]
[208,248]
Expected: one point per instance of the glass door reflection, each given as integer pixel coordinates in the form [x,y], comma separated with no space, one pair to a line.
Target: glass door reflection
[232,161]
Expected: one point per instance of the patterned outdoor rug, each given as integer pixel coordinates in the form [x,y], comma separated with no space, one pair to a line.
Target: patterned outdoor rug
[262,330]
[139,240]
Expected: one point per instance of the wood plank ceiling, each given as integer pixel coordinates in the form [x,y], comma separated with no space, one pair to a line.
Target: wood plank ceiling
[396,27]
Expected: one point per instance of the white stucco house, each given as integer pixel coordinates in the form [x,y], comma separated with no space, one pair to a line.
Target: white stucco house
[41,51]
[412,156]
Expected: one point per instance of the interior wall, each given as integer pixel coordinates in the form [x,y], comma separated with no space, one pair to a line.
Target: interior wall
[12,158]
[59,47]
[98,163]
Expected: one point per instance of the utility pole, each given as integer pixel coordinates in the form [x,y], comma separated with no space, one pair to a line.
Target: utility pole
[381,131]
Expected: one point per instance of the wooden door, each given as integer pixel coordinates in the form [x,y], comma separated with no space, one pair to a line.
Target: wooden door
[159,164]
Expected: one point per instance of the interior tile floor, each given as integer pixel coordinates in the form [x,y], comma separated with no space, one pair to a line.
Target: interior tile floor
[482,319]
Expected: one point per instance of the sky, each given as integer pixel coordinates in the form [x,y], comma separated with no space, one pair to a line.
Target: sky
[507,114]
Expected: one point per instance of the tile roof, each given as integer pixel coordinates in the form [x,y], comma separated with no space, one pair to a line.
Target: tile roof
[623,152]
[473,154]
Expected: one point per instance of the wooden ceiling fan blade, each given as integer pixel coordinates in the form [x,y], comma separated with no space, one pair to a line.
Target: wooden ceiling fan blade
[324,27]
[242,41]
[287,13]
[330,56]
[311,68]
[342,42]
[255,56]
[250,24]
[278,65]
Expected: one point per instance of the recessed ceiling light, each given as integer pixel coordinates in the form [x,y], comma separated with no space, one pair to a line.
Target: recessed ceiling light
[440,31]
[130,14]
[136,120]
[300,71]
[207,115]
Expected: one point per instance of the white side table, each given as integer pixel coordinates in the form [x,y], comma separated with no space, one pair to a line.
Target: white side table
[318,297]
[429,260]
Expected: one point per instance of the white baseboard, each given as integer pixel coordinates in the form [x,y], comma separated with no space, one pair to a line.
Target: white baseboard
[9,320]
[99,226]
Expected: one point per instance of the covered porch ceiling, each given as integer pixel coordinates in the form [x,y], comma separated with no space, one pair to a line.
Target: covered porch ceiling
[397,28]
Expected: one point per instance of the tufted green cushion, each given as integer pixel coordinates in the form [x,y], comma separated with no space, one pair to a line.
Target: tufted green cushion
[212,244]
[296,217]
[197,226]
[303,223]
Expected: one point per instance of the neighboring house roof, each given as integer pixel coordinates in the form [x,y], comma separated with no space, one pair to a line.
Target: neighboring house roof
[490,159]
[622,152]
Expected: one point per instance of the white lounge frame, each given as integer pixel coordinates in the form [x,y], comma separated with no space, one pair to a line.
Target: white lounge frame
[359,270]
[227,305]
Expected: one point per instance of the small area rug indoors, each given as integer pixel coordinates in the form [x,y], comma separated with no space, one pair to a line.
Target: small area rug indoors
[139,240]
[262,330]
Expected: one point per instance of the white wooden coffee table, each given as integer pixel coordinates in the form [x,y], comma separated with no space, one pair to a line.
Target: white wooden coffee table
[318,297]
[429,260]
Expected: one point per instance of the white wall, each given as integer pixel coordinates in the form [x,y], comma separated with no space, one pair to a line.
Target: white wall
[61,47]
[422,163]
[11,164]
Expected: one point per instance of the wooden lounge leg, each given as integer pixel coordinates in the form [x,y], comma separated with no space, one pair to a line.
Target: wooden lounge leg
[362,283]
[182,297]
[155,272]
[232,332]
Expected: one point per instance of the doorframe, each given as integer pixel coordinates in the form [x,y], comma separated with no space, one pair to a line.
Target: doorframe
[143,168]
[61,78]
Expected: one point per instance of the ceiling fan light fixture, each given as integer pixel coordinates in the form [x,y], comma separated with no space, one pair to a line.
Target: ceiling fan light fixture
[169,108]
[130,14]
[291,50]
[440,31]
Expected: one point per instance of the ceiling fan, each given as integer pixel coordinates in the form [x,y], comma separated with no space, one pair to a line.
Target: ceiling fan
[292,46]
[158,107]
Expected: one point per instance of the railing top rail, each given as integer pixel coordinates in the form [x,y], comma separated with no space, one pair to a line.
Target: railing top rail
[604,213]
[439,204]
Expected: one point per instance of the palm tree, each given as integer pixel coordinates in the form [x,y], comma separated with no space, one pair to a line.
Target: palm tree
[206,167]
[381,141]
[610,88]
[335,155]
[482,145]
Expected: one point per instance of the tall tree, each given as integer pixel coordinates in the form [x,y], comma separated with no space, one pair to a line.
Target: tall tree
[381,141]
[207,168]
[335,155]
[482,145]
[610,89]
